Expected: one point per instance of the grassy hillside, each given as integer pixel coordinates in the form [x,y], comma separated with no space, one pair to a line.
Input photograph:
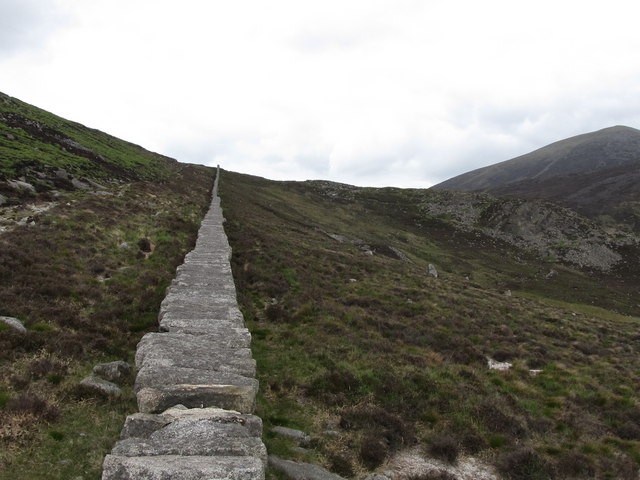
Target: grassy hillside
[86,253]
[352,336]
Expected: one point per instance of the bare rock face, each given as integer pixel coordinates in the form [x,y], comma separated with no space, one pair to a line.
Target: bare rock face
[548,230]
[14,323]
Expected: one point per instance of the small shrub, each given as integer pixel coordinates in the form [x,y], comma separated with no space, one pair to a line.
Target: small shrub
[33,404]
[45,366]
[498,419]
[56,435]
[445,448]
[523,464]
[574,464]
[472,442]
[42,327]
[341,465]
[373,451]
[497,441]
[55,378]
[619,467]
[276,313]
[393,429]
[334,381]
[4,399]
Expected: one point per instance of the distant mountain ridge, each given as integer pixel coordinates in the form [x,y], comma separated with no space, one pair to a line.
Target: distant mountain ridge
[597,174]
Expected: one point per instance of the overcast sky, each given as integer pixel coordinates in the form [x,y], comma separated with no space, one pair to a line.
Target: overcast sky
[368,92]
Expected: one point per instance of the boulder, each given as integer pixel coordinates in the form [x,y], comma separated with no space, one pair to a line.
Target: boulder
[19,185]
[93,385]
[495,365]
[14,323]
[301,471]
[80,185]
[432,272]
[62,174]
[116,372]
[3,199]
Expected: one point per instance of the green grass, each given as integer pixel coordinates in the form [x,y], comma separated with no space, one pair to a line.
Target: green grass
[80,283]
[400,356]
[45,138]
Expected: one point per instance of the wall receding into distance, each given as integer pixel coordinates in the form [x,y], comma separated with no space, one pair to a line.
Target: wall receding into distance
[196,383]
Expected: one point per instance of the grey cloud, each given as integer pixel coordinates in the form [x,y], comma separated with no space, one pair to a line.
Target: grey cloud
[26,24]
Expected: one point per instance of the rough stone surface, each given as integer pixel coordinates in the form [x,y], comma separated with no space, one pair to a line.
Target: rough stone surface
[3,199]
[195,436]
[231,338]
[14,323]
[234,397]
[252,423]
[169,467]
[152,375]
[197,352]
[116,372]
[97,386]
[301,471]
[141,425]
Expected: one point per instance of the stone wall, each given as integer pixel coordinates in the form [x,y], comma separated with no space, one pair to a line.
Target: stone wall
[196,383]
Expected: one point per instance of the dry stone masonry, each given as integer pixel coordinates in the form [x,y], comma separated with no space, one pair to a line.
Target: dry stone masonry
[196,381]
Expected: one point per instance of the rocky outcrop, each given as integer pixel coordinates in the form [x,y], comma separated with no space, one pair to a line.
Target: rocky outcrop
[553,232]
[196,383]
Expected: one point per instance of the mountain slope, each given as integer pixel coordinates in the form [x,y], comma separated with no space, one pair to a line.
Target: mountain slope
[91,231]
[360,347]
[597,174]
